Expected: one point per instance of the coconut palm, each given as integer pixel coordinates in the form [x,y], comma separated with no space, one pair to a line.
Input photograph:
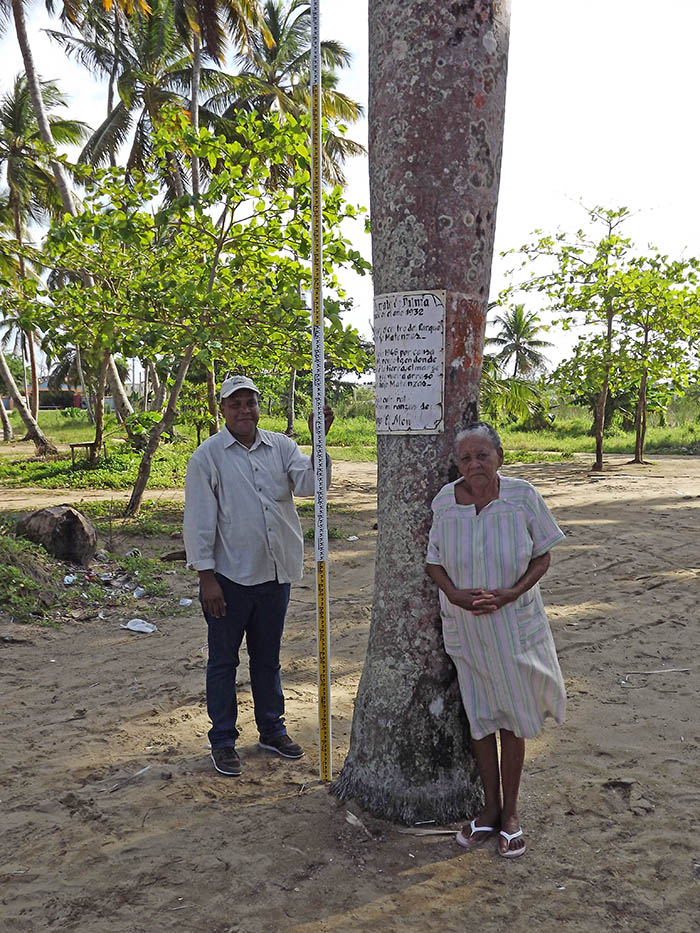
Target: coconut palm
[510,398]
[518,341]
[31,186]
[275,76]
[153,67]
[211,24]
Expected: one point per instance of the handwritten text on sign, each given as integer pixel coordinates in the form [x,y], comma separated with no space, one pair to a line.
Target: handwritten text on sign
[409,339]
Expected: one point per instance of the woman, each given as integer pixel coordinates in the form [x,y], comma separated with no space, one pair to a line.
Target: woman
[489,546]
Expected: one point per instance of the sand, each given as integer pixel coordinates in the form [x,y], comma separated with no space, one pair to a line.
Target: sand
[610,801]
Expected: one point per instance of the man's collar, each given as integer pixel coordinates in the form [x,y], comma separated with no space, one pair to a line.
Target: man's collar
[261,437]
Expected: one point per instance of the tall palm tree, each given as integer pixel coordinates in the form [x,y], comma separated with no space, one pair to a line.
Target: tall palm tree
[273,74]
[506,398]
[518,341]
[153,67]
[31,187]
[209,26]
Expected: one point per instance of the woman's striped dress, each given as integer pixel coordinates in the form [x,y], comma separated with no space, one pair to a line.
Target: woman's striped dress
[506,662]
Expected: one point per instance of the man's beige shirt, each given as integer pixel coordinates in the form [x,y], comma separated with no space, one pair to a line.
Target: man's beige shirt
[240,518]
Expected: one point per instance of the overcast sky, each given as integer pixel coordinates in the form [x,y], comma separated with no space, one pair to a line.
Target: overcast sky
[601,108]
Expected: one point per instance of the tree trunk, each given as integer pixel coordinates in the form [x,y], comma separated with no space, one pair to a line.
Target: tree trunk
[194,103]
[155,385]
[34,433]
[38,104]
[8,435]
[437,98]
[161,392]
[290,402]
[59,173]
[113,78]
[603,398]
[211,401]
[100,408]
[27,335]
[122,404]
[34,374]
[640,420]
[156,432]
[83,387]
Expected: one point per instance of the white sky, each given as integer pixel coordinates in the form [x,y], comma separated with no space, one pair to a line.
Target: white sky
[601,108]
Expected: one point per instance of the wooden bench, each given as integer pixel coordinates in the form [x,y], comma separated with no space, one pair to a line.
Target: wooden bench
[87,446]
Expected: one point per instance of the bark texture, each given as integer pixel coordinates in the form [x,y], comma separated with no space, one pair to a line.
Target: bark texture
[8,434]
[155,434]
[121,401]
[437,98]
[34,433]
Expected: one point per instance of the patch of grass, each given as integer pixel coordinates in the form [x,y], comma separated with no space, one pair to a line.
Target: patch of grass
[117,471]
[29,581]
[148,572]
[531,456]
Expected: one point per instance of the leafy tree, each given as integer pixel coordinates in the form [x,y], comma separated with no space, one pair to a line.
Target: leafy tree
[659,328]
[624,301]
[175,280]
[584,281]
[518,340]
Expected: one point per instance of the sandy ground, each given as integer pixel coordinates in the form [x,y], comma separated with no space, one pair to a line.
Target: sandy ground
[610,801]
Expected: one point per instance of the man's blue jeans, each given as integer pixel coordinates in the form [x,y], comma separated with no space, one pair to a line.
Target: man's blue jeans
[258,613]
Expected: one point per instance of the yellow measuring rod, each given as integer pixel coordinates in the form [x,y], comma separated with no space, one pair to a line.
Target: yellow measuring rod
[319,433]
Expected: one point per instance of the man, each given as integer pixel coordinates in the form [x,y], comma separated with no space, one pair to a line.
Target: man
[242,534]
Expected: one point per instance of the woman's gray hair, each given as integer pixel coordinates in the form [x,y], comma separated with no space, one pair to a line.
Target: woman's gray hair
[479,427]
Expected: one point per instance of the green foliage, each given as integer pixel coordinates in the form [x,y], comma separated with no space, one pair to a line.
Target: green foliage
[641,315]
[29,581]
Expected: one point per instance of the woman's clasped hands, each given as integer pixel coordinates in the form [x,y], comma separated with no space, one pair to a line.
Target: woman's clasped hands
[481,602]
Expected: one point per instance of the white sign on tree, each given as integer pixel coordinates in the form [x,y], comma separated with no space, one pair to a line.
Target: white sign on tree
[409,342]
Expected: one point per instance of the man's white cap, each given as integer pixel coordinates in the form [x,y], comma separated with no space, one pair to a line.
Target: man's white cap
[234,383]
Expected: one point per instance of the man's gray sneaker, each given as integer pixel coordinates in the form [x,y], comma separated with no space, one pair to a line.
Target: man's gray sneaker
[283,745]
[226,761]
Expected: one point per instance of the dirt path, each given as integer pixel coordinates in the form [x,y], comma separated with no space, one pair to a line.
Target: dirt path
[113,819]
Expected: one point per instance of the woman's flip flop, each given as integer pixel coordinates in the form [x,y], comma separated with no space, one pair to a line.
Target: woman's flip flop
[468,842]
[509,837]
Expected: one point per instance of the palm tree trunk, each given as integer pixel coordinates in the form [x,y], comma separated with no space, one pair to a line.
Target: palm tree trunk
[156,432]
[100,408]
[25,364]
[34,433]
[122,404]
[113,78]
[83,389]
[45,128]
[38,104]
[194,103]
[27,335]
[155,385]
[34,374]
[409,755]
[8,435]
